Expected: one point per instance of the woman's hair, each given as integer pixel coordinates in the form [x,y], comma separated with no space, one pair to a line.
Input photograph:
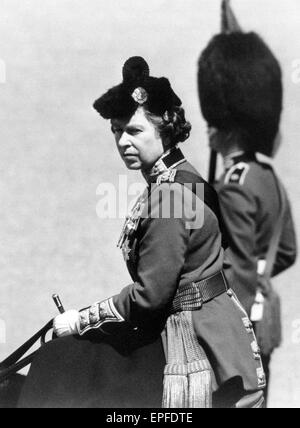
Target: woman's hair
[172,126]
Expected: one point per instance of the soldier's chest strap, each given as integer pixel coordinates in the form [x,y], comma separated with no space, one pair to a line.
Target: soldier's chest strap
[209,196]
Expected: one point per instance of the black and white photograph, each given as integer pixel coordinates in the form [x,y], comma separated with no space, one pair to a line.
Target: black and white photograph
[149,202]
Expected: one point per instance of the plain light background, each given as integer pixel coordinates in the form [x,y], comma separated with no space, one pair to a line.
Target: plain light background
[60,55]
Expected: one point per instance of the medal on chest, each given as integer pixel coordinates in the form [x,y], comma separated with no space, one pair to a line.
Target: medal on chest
[130,227]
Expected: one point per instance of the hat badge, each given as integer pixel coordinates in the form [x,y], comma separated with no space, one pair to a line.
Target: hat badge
[140,96]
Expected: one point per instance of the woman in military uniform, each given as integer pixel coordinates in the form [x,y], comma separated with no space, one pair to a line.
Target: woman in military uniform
[240,89]
[177,335]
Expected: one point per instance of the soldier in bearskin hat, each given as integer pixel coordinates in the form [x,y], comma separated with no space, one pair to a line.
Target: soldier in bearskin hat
[179,300]
[241,96]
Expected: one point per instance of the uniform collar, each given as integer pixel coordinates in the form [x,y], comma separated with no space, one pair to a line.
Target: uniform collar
[237,157]
[169,160]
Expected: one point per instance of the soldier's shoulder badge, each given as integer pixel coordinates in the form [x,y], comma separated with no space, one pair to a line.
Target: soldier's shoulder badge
[237,174]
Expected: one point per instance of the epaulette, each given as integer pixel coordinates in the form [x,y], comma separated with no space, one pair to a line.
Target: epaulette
[237,174]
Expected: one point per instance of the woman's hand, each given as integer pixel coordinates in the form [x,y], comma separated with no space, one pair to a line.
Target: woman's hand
[67,324]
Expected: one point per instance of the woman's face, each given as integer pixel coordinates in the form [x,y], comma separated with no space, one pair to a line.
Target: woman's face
[138,141]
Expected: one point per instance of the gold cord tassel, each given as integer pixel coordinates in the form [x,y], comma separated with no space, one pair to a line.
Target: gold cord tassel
[175,387]
[175,377]
[188,379]
[200,388]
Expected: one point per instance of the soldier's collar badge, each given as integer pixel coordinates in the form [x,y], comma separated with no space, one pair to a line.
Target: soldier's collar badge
[169,160]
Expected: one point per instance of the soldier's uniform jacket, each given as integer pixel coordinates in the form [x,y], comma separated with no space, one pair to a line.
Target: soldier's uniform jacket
[163,255]
[250,203]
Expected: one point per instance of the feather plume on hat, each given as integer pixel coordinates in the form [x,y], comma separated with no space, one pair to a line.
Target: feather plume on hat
[229,21]
[240,85]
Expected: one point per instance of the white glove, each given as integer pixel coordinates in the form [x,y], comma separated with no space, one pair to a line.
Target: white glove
[67,324]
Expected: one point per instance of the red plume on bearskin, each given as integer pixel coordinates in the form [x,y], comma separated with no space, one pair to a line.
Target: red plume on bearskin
[229,21]
[240,85]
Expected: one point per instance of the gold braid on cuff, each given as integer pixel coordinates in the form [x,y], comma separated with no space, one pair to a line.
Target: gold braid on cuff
[97,315]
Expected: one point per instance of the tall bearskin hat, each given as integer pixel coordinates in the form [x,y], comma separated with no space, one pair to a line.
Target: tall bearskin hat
[240,87]
[137,89]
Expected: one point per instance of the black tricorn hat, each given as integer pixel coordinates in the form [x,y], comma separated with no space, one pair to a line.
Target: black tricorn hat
[240,87]
[137,89]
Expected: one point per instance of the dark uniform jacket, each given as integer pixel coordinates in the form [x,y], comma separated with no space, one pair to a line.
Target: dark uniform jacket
[250,203]
[164,255]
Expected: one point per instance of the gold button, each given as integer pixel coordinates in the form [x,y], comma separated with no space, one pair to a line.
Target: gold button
[230,293]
